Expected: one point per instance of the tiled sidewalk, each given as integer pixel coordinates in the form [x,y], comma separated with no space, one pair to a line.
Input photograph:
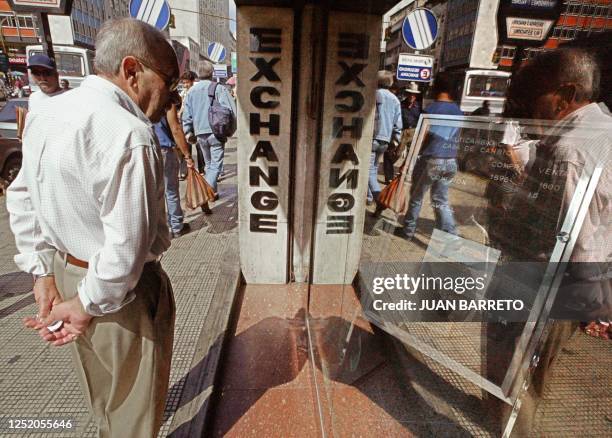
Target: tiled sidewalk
[38,381]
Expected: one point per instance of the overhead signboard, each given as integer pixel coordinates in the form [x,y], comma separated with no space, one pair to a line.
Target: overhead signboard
[59,7]
[526,22]
[527,28]
[418,68]
[420,29]
[154,12]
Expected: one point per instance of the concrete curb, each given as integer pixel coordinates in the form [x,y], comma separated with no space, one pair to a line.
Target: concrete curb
[191,417]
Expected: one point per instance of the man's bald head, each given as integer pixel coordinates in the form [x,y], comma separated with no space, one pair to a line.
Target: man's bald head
[129,37]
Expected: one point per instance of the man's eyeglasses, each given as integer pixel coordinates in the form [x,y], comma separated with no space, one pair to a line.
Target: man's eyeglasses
[171,83]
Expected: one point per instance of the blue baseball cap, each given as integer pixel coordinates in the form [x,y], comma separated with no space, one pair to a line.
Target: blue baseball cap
[41,61]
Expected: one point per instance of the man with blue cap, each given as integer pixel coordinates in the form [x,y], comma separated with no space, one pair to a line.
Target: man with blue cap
[44,73]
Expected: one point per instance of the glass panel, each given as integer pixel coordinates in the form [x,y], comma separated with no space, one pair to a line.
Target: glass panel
[484,251]
[509,226]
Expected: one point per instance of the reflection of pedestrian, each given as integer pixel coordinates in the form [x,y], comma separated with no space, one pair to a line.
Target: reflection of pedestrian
[87,211]
[388,126]
[483,110]
[436,165]
[560,86]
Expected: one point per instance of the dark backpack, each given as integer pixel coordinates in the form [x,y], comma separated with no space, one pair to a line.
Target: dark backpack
[220,118]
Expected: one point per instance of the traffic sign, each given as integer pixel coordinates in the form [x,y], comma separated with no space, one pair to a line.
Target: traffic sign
[220,71]
[154,12]
[216,52]
[418,68]
[420,29]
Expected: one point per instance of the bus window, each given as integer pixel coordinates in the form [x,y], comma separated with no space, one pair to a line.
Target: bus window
[487,86]
[68,64]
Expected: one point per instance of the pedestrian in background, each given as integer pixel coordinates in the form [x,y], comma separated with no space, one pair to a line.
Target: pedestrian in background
[436,165]
[46,77]
[387,126]
[188,78]
[170,135]
[87,212]
[65,84]
[195,121]
[482,110]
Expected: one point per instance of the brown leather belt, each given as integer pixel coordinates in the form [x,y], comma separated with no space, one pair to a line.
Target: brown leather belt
[83,264]
[76,262]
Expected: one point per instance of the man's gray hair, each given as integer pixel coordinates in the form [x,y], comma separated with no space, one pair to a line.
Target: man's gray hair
[205,69]
[548,71]
[123,37]
[385,79]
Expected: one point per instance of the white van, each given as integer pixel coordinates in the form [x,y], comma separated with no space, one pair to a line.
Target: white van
[481,85]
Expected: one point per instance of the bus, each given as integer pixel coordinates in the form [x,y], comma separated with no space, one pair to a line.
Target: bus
[481,85]
[73,63]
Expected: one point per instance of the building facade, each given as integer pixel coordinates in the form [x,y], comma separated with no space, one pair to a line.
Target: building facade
[16,32]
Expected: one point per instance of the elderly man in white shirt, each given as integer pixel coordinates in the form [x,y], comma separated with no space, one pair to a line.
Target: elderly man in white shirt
[88,213]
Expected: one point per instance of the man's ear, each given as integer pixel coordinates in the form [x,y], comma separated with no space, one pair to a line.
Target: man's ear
[566,94]
[129,70]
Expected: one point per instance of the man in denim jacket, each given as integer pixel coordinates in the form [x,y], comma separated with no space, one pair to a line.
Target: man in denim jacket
[195,121]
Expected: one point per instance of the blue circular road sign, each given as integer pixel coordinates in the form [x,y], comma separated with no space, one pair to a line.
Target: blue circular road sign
[420,29]
[216,52]
[154,12]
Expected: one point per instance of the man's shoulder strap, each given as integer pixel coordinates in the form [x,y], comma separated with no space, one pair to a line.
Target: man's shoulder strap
[212,88]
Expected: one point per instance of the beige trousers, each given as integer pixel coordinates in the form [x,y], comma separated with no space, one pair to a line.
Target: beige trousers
[123,359]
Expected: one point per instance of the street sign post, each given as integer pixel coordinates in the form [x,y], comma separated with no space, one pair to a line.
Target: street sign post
[420,29]
[154,12]
[216,52]
[220,71]
[417,68]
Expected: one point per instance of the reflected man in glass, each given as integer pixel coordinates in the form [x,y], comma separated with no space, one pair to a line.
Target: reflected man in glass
[437,164]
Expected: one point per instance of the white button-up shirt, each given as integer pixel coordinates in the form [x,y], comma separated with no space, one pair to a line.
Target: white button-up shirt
[91,185]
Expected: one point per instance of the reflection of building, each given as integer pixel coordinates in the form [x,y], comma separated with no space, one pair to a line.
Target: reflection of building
[467,32]
[461,21]
[579,18]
